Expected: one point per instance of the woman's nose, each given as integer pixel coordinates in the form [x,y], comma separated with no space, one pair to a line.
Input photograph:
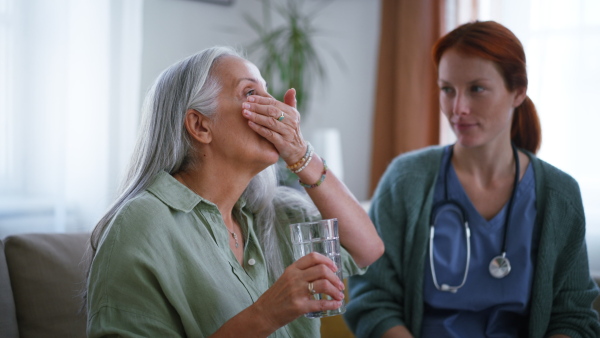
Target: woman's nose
[461,105]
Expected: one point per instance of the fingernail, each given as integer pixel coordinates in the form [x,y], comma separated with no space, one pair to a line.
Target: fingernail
[245,105]
[342,295]
[251,99]
[246,112]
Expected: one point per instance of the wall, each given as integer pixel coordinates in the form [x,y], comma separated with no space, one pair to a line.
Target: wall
[174,29]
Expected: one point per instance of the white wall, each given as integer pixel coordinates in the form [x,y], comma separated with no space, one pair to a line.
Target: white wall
[174,29]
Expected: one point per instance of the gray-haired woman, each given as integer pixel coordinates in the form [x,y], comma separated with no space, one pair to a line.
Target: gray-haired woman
[197,241]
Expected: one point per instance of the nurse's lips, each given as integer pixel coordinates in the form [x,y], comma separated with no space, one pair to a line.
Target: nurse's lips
[464,126]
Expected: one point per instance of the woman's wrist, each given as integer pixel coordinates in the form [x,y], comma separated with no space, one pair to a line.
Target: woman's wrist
[263,319]
[251,322]
[313,172]
[320,181]
[299,165]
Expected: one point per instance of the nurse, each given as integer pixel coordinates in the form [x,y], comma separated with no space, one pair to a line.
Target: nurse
[482,238]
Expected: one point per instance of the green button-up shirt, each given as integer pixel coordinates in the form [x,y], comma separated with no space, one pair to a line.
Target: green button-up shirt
[164,267]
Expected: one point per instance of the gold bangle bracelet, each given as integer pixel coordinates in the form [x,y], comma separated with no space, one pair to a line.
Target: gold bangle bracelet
[304,158]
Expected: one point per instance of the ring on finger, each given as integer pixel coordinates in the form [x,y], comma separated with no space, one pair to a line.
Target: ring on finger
[311,288]
[280,118]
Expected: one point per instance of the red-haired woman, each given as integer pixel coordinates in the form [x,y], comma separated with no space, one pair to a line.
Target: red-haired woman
[482,238]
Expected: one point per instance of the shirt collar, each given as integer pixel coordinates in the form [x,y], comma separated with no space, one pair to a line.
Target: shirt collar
[174,194]
[177,196]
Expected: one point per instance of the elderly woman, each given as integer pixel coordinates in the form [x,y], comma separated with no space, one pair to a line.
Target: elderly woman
[197,243]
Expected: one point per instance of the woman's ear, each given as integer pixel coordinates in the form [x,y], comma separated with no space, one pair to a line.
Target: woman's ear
[521,94]
[198,126]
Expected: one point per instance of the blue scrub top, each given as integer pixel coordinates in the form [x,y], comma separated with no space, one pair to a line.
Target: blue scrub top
[484,306]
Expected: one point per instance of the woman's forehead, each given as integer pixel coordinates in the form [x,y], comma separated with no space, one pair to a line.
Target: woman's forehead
[459,65]
[231,70]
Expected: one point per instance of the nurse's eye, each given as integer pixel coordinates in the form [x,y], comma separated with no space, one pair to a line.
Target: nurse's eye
[446,90]
[250,92]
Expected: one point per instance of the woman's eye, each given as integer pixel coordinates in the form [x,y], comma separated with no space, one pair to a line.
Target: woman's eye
[250,92]
[446,90]
[477,89]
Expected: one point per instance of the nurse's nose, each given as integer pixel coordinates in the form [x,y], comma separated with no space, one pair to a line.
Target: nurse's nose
[461,104]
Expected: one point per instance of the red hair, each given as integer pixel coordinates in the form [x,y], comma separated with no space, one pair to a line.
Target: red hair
[491,41]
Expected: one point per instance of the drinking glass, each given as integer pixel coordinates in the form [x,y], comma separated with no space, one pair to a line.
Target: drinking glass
[321,237]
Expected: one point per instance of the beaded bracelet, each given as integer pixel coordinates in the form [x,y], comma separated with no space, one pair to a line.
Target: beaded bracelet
[319,182]
[300,162]
[310,156]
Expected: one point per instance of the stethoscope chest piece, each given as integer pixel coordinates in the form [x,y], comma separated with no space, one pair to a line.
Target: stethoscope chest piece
[500,266]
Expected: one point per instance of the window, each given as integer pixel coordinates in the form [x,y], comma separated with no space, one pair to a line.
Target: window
[69,103]
[7,170]
[562,43]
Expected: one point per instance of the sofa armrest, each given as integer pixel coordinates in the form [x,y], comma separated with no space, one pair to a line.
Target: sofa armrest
[47,278]
[8,319]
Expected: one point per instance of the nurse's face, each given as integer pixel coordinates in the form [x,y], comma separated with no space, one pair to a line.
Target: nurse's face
[475,100]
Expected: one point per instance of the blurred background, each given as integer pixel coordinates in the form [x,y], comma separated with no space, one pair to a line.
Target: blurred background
[73,74]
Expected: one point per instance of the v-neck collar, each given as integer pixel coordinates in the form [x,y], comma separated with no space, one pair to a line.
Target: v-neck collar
[456,191]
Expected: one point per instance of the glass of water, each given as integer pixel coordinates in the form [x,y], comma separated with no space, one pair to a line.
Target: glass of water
[321,237]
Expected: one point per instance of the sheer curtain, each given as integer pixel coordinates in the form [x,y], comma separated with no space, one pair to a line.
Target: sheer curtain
[69,112]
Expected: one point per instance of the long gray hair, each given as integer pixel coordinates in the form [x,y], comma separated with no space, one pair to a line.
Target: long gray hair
[164,144]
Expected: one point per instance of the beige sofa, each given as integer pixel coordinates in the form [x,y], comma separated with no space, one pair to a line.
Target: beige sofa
[41,277]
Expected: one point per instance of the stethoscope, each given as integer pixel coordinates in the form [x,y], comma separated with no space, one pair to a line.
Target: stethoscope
[500,265]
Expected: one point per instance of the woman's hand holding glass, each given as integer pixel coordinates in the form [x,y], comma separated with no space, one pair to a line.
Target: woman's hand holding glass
[290,296]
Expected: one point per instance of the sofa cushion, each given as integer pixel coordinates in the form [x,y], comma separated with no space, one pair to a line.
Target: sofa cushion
[8,318]
[47,278]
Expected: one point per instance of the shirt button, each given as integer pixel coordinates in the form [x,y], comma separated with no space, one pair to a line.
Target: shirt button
[251,261]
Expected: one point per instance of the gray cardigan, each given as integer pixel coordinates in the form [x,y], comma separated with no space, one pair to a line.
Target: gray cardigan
[391,292]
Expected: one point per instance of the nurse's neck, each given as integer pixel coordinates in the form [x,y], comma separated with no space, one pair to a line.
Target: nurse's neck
[485,163]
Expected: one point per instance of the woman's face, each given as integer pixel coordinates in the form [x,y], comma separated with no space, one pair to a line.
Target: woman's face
[475,100]
[232,137]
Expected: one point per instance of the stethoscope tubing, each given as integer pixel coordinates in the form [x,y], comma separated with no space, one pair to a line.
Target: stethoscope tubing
[446,201]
